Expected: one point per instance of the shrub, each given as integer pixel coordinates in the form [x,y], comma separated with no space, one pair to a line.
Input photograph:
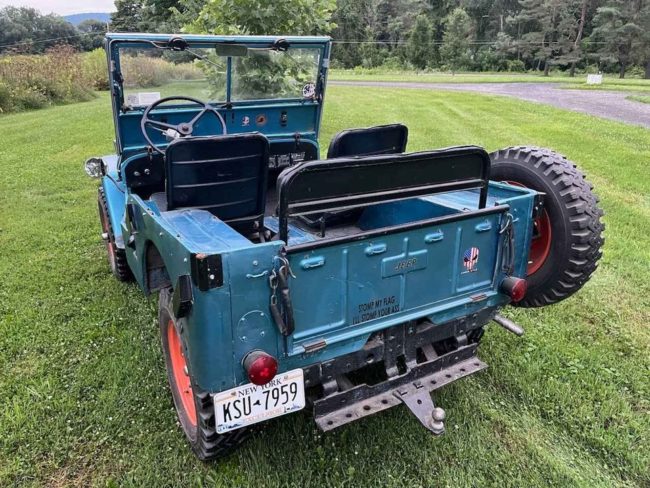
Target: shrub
[516,65]
[6,103]
[143,71]
[96,69]
[35,81]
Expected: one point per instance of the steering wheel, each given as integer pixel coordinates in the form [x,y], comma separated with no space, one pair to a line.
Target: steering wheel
[184,129]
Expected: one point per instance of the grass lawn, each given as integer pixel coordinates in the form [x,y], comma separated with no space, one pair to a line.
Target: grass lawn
[640,98]
[579,82]
[83,393]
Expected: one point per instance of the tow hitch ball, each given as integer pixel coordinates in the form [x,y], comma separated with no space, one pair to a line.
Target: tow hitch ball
[419,402]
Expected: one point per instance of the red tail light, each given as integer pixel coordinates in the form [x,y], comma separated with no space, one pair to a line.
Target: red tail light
[260,367]
[515,288]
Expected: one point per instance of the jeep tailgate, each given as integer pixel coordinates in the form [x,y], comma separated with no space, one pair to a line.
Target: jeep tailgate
[362,285]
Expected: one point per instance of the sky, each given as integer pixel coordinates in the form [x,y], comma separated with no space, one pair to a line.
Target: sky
[63,7]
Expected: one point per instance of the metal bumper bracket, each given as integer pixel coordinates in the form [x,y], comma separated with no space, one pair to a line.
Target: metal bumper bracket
[412,388]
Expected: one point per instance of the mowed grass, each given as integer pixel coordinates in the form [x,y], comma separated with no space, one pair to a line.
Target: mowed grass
[610,82]
[640,98]
[83,393]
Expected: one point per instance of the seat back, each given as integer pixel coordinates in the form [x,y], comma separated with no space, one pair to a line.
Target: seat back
[345,183]
[382,139]
[225,175]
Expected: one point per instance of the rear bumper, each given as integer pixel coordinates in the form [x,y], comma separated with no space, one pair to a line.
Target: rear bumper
[363,400]
[402,361]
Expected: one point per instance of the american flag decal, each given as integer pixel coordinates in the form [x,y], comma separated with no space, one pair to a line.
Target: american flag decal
[470,258]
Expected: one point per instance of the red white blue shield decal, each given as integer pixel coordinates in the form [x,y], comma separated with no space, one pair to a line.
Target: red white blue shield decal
[470,259]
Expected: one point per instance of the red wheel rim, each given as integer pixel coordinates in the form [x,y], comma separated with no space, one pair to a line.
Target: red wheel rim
[540,244]
[179,371]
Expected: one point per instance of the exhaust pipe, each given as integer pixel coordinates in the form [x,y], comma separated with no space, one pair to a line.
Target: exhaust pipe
[508,324]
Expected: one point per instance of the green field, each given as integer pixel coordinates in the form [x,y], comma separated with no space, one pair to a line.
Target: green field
[578,82]
[83,393]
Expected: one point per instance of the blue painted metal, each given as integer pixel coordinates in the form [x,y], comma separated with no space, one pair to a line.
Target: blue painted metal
[342,293]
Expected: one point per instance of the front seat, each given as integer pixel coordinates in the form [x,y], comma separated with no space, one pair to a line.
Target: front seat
[370,141]
[225,175]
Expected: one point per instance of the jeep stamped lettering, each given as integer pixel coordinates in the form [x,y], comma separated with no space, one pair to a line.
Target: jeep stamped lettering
[351,283]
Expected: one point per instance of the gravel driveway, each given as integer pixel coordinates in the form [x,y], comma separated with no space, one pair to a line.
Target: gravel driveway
[606,104]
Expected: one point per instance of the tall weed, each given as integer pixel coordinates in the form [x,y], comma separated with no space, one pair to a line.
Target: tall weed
[36,81]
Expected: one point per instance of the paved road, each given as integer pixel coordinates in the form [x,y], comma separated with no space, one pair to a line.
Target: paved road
[606,104]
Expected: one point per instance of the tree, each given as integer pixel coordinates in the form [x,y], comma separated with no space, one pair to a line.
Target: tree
[183,13]
[618,31]
[94,31]
[505,47]
[551,29]
[260,17]
[456,39]
[26,30]
[351,28]
[128,16]
[264,73]
[581,29]
[644,47]
[420,44]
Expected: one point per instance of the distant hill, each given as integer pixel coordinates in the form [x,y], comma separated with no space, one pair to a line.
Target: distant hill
[76,19]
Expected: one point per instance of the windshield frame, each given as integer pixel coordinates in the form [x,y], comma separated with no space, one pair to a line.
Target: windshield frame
[116,42]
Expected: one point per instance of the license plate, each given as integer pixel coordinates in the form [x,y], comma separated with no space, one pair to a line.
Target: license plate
[250,404]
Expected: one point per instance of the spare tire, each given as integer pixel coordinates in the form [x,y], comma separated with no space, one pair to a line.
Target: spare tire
[568,235]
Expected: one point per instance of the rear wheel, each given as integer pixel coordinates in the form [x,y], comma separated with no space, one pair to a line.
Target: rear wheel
[567,236]
[194,407]
[116,256]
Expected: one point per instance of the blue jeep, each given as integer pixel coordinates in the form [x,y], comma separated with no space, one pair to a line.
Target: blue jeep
[349,284]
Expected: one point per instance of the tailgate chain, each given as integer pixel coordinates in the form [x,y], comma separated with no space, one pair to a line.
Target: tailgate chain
[282,312]
[508,261]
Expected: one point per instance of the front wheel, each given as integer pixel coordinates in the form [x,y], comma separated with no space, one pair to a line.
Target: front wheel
[567,236]
[194,407]
[116,256]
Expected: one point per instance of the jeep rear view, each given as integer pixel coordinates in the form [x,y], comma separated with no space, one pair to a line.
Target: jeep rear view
[345,281]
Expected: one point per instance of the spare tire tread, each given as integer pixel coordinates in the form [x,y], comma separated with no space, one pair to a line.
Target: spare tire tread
[582,214]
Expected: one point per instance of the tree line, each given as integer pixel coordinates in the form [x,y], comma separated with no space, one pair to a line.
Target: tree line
[471,35]
[489,35]
[25,30]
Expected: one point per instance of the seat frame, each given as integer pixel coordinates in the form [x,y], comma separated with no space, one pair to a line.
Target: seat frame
[347,183]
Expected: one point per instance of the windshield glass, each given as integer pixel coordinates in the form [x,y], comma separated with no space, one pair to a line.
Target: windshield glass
[150,73]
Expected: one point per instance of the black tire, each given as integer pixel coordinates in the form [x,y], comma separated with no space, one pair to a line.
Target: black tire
[574,218]
[116,256]
[201,433]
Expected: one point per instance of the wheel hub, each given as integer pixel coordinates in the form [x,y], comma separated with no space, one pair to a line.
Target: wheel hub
[540,245]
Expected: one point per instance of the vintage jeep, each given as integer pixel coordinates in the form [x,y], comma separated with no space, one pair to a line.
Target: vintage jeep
[350,284]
